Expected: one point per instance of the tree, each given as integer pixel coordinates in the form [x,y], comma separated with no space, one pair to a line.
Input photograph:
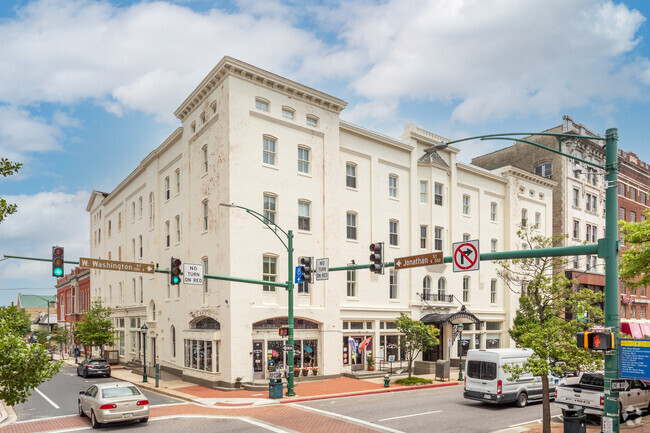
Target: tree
[541,323]
[634,266]
[7,168]
[22,366]
[96,330]
[17,319]
[418,337]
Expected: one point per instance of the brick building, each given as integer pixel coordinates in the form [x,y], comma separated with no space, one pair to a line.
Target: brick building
[633,188]
[73,295]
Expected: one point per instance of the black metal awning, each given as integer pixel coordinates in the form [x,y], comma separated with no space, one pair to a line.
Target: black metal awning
[460,316]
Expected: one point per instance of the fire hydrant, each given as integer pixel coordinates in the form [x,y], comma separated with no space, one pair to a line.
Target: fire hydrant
[386,381]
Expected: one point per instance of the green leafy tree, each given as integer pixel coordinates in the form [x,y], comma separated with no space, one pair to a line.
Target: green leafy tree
[541,322]
[96,330]
[60,334]
[7,168]
[41,336]
[418,337]
[634,266]
[17,319]
[22,366]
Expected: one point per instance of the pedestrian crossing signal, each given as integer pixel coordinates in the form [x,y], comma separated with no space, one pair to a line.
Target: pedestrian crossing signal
[283,331]
[600,340]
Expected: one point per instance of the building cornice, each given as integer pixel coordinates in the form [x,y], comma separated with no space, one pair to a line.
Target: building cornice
[375,136]
[229,66]
[480,171]
[509,170]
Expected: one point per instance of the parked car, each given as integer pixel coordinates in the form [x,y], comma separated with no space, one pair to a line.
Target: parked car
[589,394]
[485,379]
[94,367]
[113,402]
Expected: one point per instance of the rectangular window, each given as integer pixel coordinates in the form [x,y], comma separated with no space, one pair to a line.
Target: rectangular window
[632,216]
[393,284]
[423,237]
[576,197]
[493,291]
[303,160]
[588,237]
[465,205]
[493,211]
[351,176]
[352,283]
[303,216]
[178,228]
[205,272]
[287,114]
[312,121]
[594,233]
[594,200]
[465,289]
[269,272]
[524,217]
[576,262]
[178,181]
[576,229]
[392,230]
[204,158]
[633,193]
[493,246]
[423,192]
[261,105]
[437,194]
[167,234]
[621,189]
[205,216]
[392,186]
[351,223]
[269,208]
[643,198]
[268,154]
[167,191]
[438,239]
[538,219]
[621,214]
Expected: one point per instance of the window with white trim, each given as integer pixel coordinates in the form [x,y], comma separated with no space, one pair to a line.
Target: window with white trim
[269,151]
[437,194]
[351,283]
[269,271]
[270,208]
[351,225]
[351,175]
[437,239]
[466,204]
[312,121]
[392,185]
[304,219]
[288,113]
[167,192]
[423,192]
[493,211]
[204,158]
[205,215]
[393,233]
[493,291]
[178,228]
[465,289]
[423,237]
[392,284]
[262,104]
[303,159]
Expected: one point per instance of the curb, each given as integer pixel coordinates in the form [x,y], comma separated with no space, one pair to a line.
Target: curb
[7,414]
[372,391]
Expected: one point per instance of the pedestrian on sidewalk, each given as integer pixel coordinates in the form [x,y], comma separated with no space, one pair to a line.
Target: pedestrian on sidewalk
[77,352]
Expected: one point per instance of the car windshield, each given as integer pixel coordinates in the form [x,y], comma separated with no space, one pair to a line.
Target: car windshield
[97,362]
[122,391]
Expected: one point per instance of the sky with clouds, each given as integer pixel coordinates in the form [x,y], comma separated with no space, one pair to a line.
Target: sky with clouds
[88,88]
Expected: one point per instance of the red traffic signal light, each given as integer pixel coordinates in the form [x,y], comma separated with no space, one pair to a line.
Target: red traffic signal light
[377,258]
[57,261]
[175,271]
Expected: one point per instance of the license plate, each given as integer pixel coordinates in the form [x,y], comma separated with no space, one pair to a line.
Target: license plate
[488,396]
[127,415]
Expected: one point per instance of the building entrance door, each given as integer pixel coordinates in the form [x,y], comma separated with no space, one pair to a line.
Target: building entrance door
[258,359]
[356,355]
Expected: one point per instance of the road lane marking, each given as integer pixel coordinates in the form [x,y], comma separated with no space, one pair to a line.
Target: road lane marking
[533,421]
[46,398]
[406,416]
[348,418]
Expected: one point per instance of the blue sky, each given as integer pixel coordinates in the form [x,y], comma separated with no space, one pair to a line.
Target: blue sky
[88,88]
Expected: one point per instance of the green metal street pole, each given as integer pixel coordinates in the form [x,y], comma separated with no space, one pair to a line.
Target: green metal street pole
[611,415]
[290,376]
[144,350]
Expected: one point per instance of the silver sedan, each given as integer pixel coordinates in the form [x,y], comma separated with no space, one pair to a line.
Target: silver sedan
[113,402]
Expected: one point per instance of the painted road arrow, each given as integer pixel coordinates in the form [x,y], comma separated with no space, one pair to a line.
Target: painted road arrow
[113,265]
[421,260]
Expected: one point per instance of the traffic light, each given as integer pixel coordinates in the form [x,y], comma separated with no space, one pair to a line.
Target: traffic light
[307,270]
[175,272]
[600,339]
[377,258]
[283,331]
[57,261]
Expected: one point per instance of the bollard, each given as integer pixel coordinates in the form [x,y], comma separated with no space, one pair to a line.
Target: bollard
[157,374]
[386,381]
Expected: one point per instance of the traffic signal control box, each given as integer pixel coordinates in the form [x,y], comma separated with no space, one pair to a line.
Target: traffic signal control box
[600,340]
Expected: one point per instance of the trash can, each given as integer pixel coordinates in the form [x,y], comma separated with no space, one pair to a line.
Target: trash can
[275,388]
[442,369]
[574,421]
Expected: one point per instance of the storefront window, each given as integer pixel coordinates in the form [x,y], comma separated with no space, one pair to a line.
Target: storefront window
[202,355]
[310,353]
[465,345]
[493,341]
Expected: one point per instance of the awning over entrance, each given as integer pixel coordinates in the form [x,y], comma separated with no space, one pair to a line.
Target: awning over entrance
[636,329]
[459,316]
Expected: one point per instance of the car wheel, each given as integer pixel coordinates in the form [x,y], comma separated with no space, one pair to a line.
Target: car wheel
[143,420]
[93,421]
[85,374]
[81,412]
[108,375]
[522,400]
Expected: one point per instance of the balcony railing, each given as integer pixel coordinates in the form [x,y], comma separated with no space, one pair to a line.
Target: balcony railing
[437,297]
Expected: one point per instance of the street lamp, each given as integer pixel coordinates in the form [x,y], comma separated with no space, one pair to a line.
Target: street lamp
[460,327]
[144,328]
[289,284]
[607,247]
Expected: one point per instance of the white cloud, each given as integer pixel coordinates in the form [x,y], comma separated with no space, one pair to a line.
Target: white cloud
[21,133]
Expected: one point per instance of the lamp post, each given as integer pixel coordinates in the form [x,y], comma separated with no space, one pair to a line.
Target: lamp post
[289,284]
[144,328]
[607,247]
[460,327]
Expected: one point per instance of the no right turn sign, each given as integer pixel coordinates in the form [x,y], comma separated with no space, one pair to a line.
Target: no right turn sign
[466,256]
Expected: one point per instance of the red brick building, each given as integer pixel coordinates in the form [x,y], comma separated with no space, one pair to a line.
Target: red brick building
[73,299]
[633,201]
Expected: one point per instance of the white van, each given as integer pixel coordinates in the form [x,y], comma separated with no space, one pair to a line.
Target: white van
[486,381]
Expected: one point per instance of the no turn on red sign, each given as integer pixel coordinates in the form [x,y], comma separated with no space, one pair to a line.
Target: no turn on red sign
[466,256]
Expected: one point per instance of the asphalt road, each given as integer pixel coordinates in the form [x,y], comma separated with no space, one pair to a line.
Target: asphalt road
[435,409]
[59,396]
[183,424]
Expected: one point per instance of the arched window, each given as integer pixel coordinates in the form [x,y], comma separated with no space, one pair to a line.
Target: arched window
[426,288]
[442,287]
[152,306]
[206,323]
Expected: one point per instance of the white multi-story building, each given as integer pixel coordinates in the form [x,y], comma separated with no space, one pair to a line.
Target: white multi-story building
[272,145]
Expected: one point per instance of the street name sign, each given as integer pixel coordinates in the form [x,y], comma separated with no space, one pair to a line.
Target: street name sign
[620,385]
[634,359]
[322,269]
[421,260]
[192,274]
[465,256]
[113,265]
